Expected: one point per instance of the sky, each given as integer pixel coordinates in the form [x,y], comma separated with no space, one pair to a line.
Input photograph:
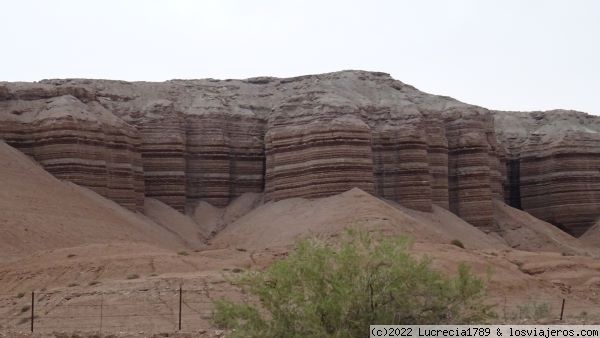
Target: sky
[504,54]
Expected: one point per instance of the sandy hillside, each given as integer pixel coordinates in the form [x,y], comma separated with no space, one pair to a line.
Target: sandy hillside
[178,224]
[281,223]
[522,231]
[211,219]
[564,267]
[39,212]
[592,235]
[146,277]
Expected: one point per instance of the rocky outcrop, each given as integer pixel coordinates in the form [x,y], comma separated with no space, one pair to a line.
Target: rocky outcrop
[163,151]
[402,166]
[225,157]
[76,141]
[470,178]
[437,160]
[318,159]
[185,141]
[553,161]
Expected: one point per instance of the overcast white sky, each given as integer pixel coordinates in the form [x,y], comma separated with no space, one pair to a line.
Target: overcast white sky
[504,54]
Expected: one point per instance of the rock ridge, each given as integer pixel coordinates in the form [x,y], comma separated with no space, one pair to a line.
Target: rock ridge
[184,141]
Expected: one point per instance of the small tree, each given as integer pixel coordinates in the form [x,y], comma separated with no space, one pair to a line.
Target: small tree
[321,290]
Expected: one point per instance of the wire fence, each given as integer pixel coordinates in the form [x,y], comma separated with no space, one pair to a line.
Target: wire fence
[148,310]
[170,310]
[512,309]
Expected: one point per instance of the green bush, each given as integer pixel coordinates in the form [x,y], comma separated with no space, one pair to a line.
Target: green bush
[338,291]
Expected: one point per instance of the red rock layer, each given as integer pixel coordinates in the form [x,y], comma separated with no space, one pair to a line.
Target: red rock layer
[437,159]
[401,169]
[225,157]
[469,173]
[553,161]
[163,153]
[318,159]
[560,182]
[95,155]
[307,136]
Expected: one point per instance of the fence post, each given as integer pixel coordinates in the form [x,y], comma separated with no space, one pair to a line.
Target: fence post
[180,301]
[562,309]
[32,307]
[101,310]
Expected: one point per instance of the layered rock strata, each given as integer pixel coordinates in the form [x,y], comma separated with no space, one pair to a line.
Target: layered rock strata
[470,177]
[225,157]
[437,159]
[553,161]
[76,141]
[402,169]
[184,141]
[163,152]
[318,159]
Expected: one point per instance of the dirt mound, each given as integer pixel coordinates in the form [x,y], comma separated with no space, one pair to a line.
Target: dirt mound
[211,219]
[147,268]
[522,231]
[175,222]
[592,235]
[280,223]
[40,212]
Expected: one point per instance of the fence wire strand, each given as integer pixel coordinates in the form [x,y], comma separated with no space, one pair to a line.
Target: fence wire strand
[160,309]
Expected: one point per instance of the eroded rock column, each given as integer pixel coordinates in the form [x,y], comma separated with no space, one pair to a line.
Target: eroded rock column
[318,159]
[437,156]
[469,174]
[163,152]
[225,157]
[402,170]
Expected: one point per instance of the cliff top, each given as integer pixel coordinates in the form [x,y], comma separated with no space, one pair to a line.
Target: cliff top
[374,95]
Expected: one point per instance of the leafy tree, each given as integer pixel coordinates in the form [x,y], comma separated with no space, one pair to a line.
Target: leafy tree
[322,290]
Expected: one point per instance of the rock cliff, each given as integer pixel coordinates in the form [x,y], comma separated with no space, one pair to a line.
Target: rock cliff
[75,138]
[553,162]
[184,141]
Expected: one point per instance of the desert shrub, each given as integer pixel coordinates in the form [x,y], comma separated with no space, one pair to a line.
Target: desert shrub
[321,290]
[25,308]
[457,243]
[20,294]
[183,253]
[133,276]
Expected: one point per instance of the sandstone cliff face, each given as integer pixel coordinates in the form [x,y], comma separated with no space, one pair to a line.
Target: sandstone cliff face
[318,159]
[182,141]
[470,165]
[553,162]
[402,166]
[75,139]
